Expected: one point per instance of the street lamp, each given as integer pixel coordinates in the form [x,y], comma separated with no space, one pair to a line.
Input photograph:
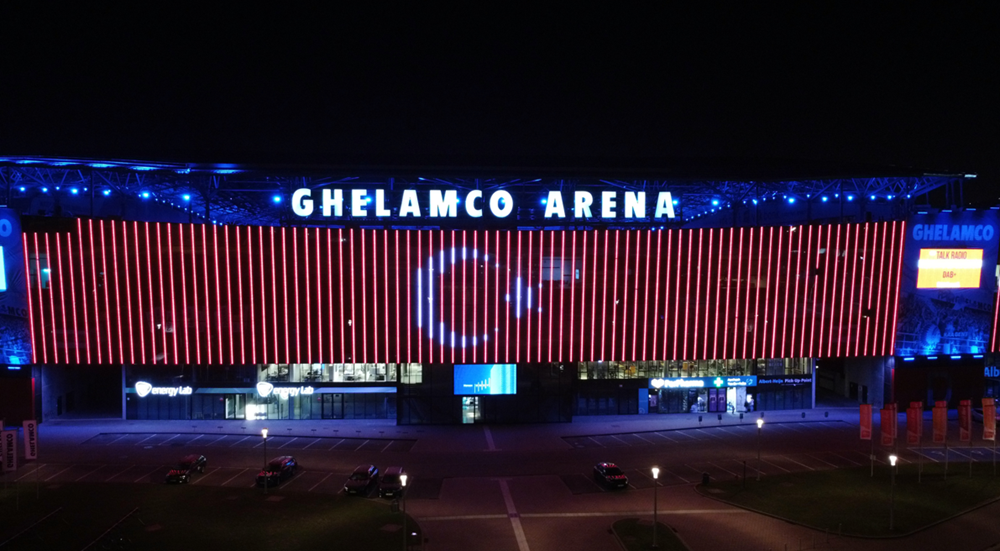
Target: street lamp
[263,432]
[892,487]
[656,485]
[760,423]
[402,480]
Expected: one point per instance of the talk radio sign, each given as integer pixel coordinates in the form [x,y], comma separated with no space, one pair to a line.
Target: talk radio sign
[947,283]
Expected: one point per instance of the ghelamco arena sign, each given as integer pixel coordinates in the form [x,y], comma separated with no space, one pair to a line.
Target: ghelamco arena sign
[446,203]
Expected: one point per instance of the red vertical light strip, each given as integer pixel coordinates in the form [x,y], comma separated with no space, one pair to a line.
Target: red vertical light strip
[527,307]
[374,325]
[96,297]
[856,323]
[779,282]
[218,291]
[745,330]
[354,322]
[52,303]
[319,301]
[552,287]
[263,298]
[194,293]
[83,288]
[593,301]
[847,253]
[796,314]
[708,290]
[880,291]
[475,296]
[440,265]
[152,306]
[687,296]
[420,299]
[239,292]
[729,285]
[138,283]
[106,285]
[41,302]
[676,347]
[713,331]
[454,298]
[756,305]
[465,330]
[31,306]
[509,299]
[329,293]
[541,270]
[814,275]
[173,302]
[604,299]
[253,318]
[62,294]
[614,303]
[385,293]
[572,294]
[73,303]
[118,298]
[896,278]
[697,298]
[295,285]
[867,290]
[184,308]
[305,245]
[399,336]
[163,298]
[284,290]
[789,283]
[229,297]
[656,297]
[274,300]
[562,290]
[767,294]
[207,305]
[739,273]
[496,298]
[645,299]
[832,249]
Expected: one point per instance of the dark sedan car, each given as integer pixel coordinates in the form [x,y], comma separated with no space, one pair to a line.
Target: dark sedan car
[391,485]
[362,480]
[610,475]
[188,465]
[277,470]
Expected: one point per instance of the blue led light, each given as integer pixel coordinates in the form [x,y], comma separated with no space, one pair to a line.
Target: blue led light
[825,198]
[931,357]
[755,201]
[145,195]
[890,197]
[910,359]
[715,202]
[45,190]
[143,168]
[791,200]
[74,191]
[106,192]
[873,197]
[677,202]
[850,197]
[225,171]
[544,201]
[958,357]
[186,196]
[22,188]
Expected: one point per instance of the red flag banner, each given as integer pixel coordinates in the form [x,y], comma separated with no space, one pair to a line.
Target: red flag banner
[940,422]
[965,420]
[913,416]
[989,421]
[866,421]
[886,420]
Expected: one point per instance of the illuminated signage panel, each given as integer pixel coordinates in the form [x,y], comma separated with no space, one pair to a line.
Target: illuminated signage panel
[949,268]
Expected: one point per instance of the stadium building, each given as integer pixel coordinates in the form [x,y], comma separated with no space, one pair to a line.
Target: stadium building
[146,290]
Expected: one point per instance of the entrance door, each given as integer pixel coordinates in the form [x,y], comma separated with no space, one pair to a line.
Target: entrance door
[470,410]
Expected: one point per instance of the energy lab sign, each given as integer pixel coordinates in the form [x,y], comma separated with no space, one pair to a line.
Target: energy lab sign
[446,203]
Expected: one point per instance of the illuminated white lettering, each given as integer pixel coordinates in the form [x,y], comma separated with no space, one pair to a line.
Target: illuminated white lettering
[635,204]
[470,203]
[501,204]
[554,205]
[380,209]
[302,203]
[333,198]
[608,204]
[664,205]
[581,204]
[410,205]
[358,202]
[444,205]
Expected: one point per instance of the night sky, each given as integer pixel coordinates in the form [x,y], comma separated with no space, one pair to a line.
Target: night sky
[570,87]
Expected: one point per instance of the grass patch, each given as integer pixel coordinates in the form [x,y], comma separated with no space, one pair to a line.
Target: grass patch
[637,534]
[198,517]
[854,502]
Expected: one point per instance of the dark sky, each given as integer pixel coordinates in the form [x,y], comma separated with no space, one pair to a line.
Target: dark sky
[898,86]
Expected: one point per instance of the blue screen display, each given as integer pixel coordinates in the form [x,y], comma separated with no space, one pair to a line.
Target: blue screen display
[473,379]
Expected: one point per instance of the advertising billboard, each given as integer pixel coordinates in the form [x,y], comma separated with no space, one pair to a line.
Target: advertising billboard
[473,379]
[948,282]
[15,339]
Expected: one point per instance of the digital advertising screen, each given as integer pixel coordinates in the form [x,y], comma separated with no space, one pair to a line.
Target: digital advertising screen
[477,379]
[15,336]
[947,283]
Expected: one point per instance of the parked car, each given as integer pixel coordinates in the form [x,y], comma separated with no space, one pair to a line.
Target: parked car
[362,480]
[277,470]
[610,475]
[187,466]
[391,485]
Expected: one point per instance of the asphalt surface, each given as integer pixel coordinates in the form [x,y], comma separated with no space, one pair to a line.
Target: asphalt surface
[524,487]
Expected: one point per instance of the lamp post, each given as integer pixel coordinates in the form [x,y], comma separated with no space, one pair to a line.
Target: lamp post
[263,432]
[402,480]
[760,423]
[892,487]
[656,485]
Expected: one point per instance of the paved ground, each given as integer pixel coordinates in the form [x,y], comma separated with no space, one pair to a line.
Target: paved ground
[523,487]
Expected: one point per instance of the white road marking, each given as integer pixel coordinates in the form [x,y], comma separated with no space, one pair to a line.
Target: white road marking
[168,439]
[234,476]
[119,472]
[320,482]
[90,473]
[797,463]
[724,469]
[144,439]
[238,441]
[515,520]
[289,442]
[778,466]
[59,473]
[37,468]
[116,439]
[314,441]
[147,474]
[846,459]
[686,481]
[637,435]
[387,446]
[206,475]
[821,461]
[489,439]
